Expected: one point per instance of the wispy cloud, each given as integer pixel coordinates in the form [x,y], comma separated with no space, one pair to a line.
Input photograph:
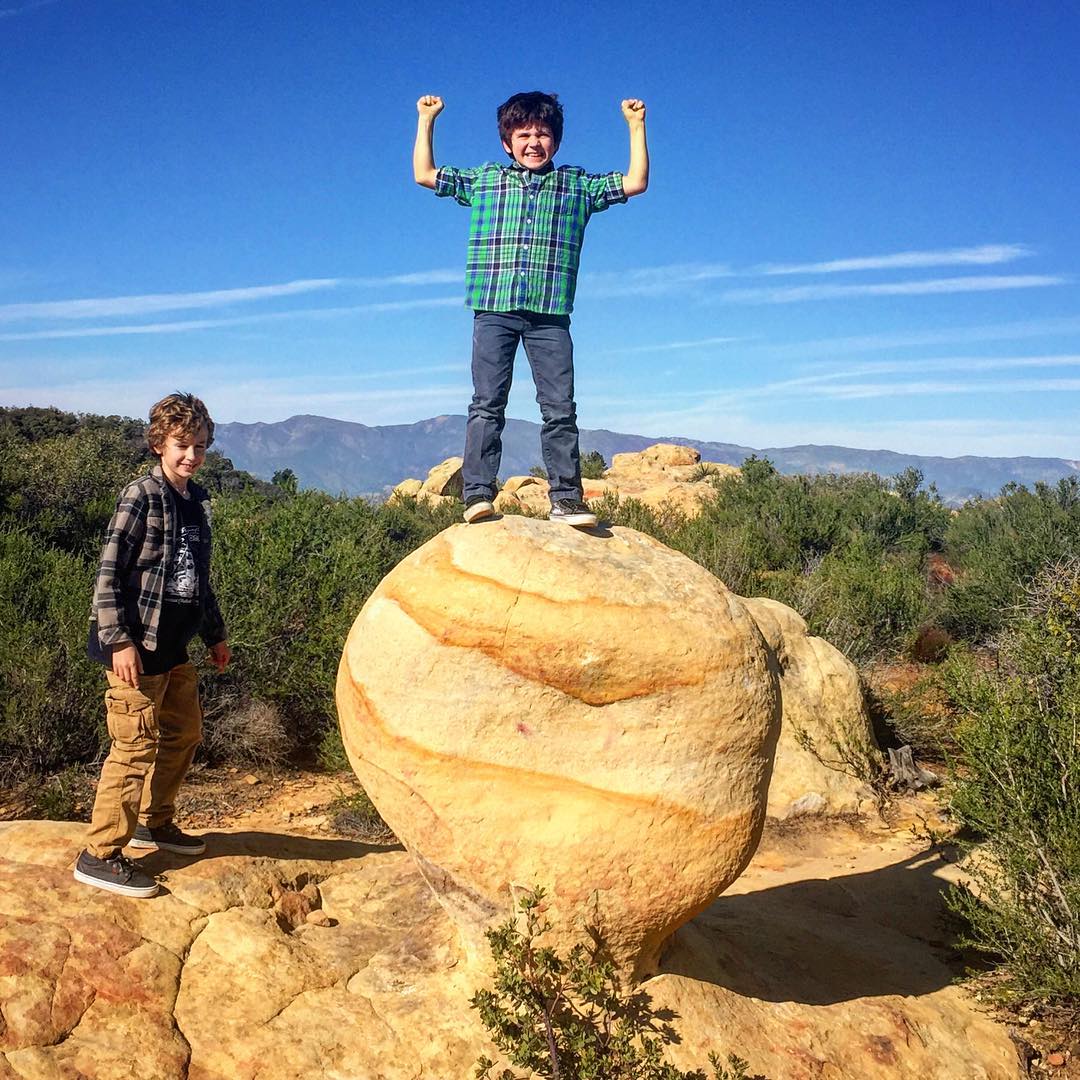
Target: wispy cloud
[950,363]
[934,286]
[420,277]
[671,346]
[983,255]
[256,399]
[651,280]
[22,9]
[188,325]
[152,303]
[1011,331]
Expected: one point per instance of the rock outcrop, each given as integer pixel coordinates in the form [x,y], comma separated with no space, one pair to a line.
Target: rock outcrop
[826,753]
[595,713]
[666,476]
[663,477]
[443,484]
[813,964]
[218,978]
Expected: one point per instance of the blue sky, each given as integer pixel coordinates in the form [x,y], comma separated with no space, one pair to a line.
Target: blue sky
[862,226]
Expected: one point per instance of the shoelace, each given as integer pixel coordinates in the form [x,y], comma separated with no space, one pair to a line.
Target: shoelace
[127,865]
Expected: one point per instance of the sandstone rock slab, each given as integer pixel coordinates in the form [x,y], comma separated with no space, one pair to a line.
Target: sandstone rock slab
[808,967]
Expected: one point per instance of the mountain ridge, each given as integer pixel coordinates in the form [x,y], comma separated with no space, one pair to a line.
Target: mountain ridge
[342,456]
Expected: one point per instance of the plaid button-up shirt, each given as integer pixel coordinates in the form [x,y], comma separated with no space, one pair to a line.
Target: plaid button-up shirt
[140,545]
[526,231]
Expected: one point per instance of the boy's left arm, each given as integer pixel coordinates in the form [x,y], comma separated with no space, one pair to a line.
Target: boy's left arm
[636,177]
[213,632]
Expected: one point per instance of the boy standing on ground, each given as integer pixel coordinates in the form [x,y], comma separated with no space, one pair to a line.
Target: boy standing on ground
[525,235]
[152,595]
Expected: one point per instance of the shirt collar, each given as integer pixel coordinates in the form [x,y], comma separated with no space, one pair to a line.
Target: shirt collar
[528,174]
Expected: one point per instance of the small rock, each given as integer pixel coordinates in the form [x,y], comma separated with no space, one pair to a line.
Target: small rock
[1054,1060]
[286,815]
[252,779]
[319,918]
[232,770]
[317,822]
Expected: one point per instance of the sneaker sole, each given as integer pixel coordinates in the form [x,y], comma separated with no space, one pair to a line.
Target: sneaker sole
[143,892]
[154,845]
[478,514]
[578,521]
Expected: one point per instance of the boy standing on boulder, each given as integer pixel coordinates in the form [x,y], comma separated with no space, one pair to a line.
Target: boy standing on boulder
[525,234]
[152,595]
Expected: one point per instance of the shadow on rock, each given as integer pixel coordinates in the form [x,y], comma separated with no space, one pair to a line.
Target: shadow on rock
[266,845]
[823,941]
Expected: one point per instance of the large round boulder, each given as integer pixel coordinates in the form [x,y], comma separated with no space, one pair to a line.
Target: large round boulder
[592,712]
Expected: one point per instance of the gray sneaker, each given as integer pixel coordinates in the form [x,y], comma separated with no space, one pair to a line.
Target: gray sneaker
[118,875]
[167,837]
[572,512]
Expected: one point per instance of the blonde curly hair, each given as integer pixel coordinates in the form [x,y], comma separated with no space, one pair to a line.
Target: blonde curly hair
[177,414]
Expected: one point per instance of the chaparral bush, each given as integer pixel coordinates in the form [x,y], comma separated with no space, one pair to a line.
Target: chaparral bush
[1017,787]
[999,545]
[50,692]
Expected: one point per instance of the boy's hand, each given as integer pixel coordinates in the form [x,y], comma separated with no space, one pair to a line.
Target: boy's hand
[429,105]
[127,664]
[633,110]
[220,655]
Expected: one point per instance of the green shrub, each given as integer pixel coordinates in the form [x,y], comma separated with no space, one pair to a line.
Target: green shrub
[593,465]
[862,600]
[999,544]
[64,489]
[291,574]
[51,710]
[1017,786]
[570,1017]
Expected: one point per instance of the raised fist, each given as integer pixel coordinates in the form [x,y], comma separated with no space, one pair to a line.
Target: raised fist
[430,105]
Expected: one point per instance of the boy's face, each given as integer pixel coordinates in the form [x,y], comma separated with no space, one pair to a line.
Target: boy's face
[182,454]
[532,147]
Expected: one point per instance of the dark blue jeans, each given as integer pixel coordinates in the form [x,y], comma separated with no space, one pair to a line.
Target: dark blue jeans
[551,356]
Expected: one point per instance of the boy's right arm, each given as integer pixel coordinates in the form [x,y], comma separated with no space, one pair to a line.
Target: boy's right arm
[125,532]
[424,170]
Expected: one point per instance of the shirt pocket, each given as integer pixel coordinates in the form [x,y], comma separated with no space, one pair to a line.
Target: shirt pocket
[153,545]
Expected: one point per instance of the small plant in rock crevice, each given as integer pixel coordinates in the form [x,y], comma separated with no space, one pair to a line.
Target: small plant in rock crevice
[569,1018]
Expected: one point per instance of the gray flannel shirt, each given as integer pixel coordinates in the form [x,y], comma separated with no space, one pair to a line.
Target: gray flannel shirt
[139,548]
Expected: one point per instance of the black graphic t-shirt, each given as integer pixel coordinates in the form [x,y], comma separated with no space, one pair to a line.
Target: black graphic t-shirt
[182,582]
[181,614]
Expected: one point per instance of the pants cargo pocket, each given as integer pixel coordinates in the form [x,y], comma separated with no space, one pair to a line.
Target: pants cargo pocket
[130,720]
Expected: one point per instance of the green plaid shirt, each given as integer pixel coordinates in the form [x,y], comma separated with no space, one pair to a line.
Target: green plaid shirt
[526,231]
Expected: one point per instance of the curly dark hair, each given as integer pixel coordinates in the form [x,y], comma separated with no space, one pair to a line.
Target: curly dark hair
[177,414]
[533,107]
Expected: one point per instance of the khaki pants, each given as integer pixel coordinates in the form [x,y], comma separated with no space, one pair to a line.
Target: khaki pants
[154,732]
